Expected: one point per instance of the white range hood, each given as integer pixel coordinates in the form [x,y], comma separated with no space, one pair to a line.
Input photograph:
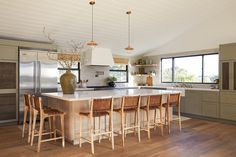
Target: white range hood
[98,56]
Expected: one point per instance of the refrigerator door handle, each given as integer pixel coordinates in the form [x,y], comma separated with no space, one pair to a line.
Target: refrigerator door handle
[39,76]
[35,77]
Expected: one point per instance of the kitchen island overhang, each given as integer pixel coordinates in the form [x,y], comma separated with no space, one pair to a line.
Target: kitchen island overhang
[72,104]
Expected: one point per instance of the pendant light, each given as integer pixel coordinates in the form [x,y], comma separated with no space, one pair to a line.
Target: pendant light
[92,42]
[128,49]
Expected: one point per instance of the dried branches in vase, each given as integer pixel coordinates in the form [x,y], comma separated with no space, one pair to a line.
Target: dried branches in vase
[67,58]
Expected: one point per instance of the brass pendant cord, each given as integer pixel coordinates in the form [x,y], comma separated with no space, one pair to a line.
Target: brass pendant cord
[92,22]
[92,42]
[129,48]
[128,28]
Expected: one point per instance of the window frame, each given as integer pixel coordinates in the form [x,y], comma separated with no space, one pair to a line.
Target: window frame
[173,68]
[127,74]
[72,69]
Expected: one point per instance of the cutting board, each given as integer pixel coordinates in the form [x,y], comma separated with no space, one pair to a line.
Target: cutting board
[149,81]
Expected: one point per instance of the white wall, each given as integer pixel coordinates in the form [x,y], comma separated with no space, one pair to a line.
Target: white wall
[210,34]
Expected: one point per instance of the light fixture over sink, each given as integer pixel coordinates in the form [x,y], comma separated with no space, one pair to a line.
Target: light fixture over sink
[128,49]
[92,43]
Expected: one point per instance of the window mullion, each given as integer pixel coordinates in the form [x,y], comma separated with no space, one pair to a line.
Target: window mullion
[202,68]
[173,70]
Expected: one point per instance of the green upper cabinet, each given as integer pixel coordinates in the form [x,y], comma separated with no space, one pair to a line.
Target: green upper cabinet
[8,53]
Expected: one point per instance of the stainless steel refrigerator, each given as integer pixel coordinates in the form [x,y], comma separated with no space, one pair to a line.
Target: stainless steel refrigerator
[37,74]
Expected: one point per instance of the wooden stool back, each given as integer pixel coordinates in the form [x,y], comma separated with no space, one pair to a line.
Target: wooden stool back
[102,105]
[131,102]
[27,109]
[37,103]
[155,100]
[174,99]
[27,99]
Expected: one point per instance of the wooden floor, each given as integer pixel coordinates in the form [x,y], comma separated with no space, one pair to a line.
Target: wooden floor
[198,138]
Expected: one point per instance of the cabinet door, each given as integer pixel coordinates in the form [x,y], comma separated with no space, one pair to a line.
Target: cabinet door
[228,105]
[225,76]
[234,75]
[8,91]
[193,102]
[8,107]
[210,104]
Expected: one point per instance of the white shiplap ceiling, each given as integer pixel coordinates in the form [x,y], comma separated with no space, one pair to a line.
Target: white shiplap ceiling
[153,22]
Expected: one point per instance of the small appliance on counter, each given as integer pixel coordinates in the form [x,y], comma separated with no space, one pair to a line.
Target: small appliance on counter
[83,83]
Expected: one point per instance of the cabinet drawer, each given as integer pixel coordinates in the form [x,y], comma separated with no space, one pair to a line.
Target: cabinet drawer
[228,98]
[210,109]
[210,96]
[7,106]
[228,111]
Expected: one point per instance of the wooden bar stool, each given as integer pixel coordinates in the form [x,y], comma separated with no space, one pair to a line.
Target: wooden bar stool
[27,109]
[154,102]
[43,114]
[130,104]
[173,100]
[100,107]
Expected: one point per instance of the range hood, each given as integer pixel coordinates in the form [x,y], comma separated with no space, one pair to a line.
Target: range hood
[98,56]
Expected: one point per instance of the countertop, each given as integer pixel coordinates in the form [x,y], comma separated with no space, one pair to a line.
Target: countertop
[171,88]
[86,95]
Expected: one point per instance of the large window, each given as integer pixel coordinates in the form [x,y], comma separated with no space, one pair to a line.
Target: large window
[120,71]
[75,70]
[190,69]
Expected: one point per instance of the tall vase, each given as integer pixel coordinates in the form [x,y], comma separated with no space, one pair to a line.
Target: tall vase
[68,82]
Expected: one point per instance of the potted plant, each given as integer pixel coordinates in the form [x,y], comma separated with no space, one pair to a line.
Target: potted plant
[111,81]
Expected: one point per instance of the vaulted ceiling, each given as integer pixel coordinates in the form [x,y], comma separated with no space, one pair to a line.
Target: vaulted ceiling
[153,22]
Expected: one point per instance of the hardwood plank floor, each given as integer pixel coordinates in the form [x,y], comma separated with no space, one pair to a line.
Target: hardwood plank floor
[199,138]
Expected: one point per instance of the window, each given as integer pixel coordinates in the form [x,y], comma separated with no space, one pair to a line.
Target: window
[120,71]
[190,69]
[167,70]
[75,70]
[211,68]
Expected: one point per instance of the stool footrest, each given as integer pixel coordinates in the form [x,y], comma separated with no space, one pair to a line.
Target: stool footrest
[52,139]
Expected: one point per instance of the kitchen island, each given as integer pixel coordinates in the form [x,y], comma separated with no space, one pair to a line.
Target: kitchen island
[72,104]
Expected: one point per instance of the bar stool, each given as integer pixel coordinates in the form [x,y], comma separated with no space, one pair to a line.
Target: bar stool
[173,100]
[100,107]
[27,109]
[43,114]
[130,104]
[154,102]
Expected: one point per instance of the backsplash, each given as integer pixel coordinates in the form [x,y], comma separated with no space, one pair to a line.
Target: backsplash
[95,75]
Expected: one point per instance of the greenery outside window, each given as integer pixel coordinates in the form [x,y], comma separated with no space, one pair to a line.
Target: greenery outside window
[75,69]
[190,69]
[120,71]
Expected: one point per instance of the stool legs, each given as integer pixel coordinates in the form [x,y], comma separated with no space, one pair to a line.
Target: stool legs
[167,118]
[40,133]
[99,138]
[80,130]
[91,134]
[33,127]
[179,118]
[24,122]
[62,130]
[30,125]
[161,124]
[148,123]
[122,128]
[111,129]
[139,139]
